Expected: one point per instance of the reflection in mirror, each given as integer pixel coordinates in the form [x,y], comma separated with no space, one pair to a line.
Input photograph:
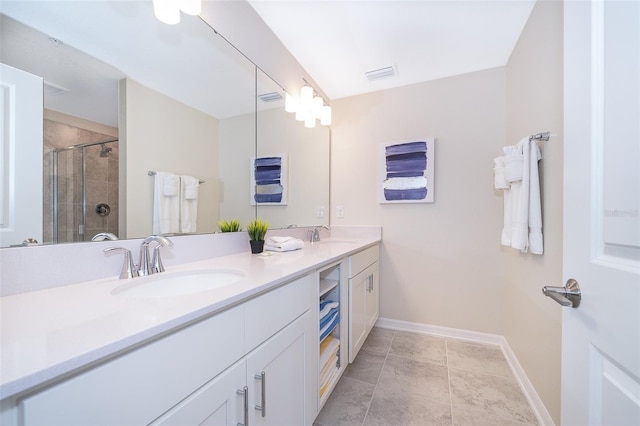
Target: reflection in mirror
[165,120]
[151,97]
[305,158]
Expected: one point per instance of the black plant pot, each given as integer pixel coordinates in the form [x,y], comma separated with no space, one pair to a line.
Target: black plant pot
[256,246]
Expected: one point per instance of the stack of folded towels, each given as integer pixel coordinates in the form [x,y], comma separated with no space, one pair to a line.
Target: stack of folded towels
[283,244]
[329,317]
[328,362]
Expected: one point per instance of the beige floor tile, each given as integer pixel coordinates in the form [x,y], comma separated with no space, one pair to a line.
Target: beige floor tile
[479,358]
[347,404]
[494,395]
[366,367]
[473,417]
[405,379]
[410,392]
[379,340]
[419,347]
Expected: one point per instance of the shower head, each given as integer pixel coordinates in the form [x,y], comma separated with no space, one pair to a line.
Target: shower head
[105,151]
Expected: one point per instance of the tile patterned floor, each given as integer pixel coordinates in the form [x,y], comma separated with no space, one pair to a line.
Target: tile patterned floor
[402,379]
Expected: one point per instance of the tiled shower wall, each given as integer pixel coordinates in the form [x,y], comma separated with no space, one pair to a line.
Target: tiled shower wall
[101,183]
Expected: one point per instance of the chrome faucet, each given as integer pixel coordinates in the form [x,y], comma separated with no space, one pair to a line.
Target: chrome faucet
[101,236]
[315,234]
[150,265]
[128,268]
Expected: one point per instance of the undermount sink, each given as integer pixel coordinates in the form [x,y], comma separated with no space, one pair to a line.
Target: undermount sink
[168,284]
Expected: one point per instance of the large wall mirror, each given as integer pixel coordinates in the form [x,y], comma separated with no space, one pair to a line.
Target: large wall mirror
[126,96]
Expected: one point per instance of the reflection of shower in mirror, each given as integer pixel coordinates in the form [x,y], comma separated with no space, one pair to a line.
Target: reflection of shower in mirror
[81,171]
[105,151]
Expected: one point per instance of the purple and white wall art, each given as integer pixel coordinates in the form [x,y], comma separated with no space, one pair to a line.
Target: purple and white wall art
[269,180]
[407,175]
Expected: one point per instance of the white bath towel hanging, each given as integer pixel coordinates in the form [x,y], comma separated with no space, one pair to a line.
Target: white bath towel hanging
[189,203]
[522,205]
[166,209]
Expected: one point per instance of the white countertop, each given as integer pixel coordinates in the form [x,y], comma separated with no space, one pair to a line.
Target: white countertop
[49,333]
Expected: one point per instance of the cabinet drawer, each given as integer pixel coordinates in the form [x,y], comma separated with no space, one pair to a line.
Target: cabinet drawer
[137,387]
[269,313]
[361,260]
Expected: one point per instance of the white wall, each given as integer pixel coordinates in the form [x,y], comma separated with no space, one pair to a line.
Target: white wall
[441,263]
[161,134]
[534,104]
[237,145]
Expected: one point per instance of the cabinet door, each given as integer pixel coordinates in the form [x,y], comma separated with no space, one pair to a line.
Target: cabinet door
[220,402]
[372,296]
[278,374]
[357,313]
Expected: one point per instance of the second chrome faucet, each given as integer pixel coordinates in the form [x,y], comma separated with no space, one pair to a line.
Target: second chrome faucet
[147,263]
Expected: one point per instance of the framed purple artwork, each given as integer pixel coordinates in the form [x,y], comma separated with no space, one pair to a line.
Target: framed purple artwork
[408,172]
[269,180]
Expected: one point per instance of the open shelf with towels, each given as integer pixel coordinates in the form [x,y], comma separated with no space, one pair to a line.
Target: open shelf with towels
[332,303]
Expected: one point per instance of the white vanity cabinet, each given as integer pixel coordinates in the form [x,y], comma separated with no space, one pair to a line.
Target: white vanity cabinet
[363,297]
[237,396]
[198,375]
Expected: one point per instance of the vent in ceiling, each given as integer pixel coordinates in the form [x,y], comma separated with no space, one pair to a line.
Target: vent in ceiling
[270,97]
[54,89]
[380,73]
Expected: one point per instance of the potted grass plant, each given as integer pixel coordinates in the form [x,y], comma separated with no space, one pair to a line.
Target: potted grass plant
[232,225]
[257,229]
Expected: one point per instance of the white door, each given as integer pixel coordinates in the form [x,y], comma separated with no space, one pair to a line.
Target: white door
[601,338]
[20,156]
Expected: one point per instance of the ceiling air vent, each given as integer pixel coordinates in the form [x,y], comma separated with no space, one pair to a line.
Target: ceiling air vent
[380,73]
[270,97]
[54,89]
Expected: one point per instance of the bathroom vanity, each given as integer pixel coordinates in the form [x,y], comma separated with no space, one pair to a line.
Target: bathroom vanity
[244,353]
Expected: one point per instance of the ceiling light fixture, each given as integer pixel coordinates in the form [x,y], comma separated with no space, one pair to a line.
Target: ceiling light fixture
[380,73]
[168,11]
[309,106]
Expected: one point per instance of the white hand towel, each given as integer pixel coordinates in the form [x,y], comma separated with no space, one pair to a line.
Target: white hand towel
[535,206]
[166,210]
[513,162]
[189,204]
[283,244]
[499,181]
[171,186]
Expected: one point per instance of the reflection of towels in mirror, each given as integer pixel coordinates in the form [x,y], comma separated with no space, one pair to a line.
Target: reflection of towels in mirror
[189,203]
[171,185]
[166,209]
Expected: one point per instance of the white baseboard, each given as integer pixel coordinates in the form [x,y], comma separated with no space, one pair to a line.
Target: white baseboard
[540,411]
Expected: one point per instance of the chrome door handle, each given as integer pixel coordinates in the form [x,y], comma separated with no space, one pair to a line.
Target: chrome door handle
[263,400]
[569,295]
[245,393]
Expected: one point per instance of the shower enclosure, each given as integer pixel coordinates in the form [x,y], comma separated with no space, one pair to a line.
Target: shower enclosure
[81,192]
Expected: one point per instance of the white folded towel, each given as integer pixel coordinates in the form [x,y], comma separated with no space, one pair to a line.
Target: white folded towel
[513,163]
[189,204]
[498,170]
[171,186]
[283,244]
[166,210]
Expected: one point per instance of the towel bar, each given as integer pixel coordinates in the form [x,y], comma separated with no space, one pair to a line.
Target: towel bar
[153,173]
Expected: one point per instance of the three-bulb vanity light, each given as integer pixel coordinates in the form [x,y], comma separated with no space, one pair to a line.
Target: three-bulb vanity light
[168,11]
[308,107]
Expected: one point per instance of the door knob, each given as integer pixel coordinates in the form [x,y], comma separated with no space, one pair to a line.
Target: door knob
[569,295]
